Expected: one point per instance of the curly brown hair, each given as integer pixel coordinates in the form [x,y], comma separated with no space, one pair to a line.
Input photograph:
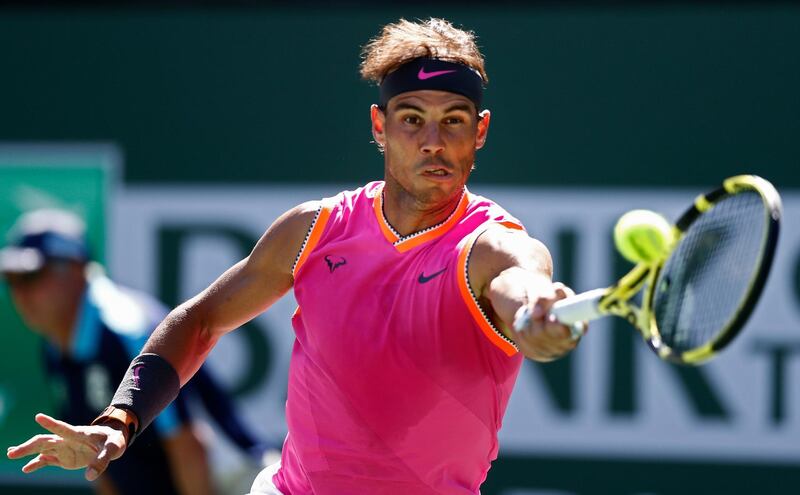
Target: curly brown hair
[404,40]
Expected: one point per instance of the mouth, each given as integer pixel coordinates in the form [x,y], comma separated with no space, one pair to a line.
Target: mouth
[436,172]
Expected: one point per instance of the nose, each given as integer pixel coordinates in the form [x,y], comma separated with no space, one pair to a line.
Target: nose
[432,142]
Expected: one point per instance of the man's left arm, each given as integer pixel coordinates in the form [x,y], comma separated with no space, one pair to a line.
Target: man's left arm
[509,270]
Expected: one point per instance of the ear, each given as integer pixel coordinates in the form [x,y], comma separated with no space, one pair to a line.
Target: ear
[483,129]
[378,125]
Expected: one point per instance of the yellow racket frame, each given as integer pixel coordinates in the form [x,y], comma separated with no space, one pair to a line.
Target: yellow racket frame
[615,300]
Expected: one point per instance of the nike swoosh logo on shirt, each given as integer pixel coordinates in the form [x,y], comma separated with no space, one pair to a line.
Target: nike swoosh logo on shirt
[422,75]
[423,279]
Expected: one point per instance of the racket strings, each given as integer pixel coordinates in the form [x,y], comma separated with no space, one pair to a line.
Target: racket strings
[703,284]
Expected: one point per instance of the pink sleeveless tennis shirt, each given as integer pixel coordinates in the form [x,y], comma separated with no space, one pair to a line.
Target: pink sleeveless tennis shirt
[398,382]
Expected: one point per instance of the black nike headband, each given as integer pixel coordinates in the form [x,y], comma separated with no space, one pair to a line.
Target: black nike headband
[431,73]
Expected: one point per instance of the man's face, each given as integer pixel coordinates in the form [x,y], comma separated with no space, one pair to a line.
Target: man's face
[41,297]
[429,140]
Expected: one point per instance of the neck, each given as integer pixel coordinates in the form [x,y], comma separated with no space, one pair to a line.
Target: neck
[408,214]
[61,331]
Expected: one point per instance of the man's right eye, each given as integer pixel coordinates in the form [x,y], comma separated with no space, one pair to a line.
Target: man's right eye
[411,119]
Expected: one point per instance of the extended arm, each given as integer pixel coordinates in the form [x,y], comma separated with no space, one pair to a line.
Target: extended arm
[184,339]
[245,290]
[509,269]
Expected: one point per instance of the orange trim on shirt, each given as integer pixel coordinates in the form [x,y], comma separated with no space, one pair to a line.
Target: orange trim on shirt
[416,240]
[313,237]
[512,225]
[472,305]
[377,206]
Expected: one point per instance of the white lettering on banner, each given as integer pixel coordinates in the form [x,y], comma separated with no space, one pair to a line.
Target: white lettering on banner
[755,381]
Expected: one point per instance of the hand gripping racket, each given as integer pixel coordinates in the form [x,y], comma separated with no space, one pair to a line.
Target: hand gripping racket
[695,300]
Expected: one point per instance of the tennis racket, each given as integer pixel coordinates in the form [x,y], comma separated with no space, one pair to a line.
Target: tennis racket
[695,300]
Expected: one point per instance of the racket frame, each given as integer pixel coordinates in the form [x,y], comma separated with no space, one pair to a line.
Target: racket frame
[616,299]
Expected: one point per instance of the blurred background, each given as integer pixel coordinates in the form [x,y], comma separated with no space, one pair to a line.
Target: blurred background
[180,130]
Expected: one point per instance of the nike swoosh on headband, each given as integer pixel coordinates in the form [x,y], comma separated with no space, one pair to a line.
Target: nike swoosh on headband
[422,75]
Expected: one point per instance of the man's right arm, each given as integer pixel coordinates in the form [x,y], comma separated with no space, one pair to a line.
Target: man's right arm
[189,332]
[184,339]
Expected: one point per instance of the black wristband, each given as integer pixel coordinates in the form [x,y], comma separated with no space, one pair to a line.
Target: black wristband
[149,385]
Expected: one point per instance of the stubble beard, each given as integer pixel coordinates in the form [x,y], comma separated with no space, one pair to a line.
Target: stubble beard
[426,197]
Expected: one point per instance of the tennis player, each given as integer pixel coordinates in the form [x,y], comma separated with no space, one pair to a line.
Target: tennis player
[407,288]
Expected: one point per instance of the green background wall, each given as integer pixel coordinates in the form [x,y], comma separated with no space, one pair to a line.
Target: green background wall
[678,94]
[72,178]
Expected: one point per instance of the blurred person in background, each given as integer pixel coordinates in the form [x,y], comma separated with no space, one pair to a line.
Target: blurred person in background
[408,289]
[92,328]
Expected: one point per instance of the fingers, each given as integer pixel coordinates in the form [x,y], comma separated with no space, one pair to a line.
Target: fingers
[108,453]
[546,299]
[541,308]
[562,291]
[74,447]
[543,337]
[576,330]
[39,462]
[35,445]
[56,426]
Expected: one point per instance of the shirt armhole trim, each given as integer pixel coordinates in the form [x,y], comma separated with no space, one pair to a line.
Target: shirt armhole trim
[488,328]
[312,237]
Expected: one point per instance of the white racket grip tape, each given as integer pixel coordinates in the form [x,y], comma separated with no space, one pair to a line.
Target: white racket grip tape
[577,327]
[580,307]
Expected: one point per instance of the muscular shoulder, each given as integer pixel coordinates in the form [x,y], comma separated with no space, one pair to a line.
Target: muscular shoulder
[283,240]
[499,249]
[297,221]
